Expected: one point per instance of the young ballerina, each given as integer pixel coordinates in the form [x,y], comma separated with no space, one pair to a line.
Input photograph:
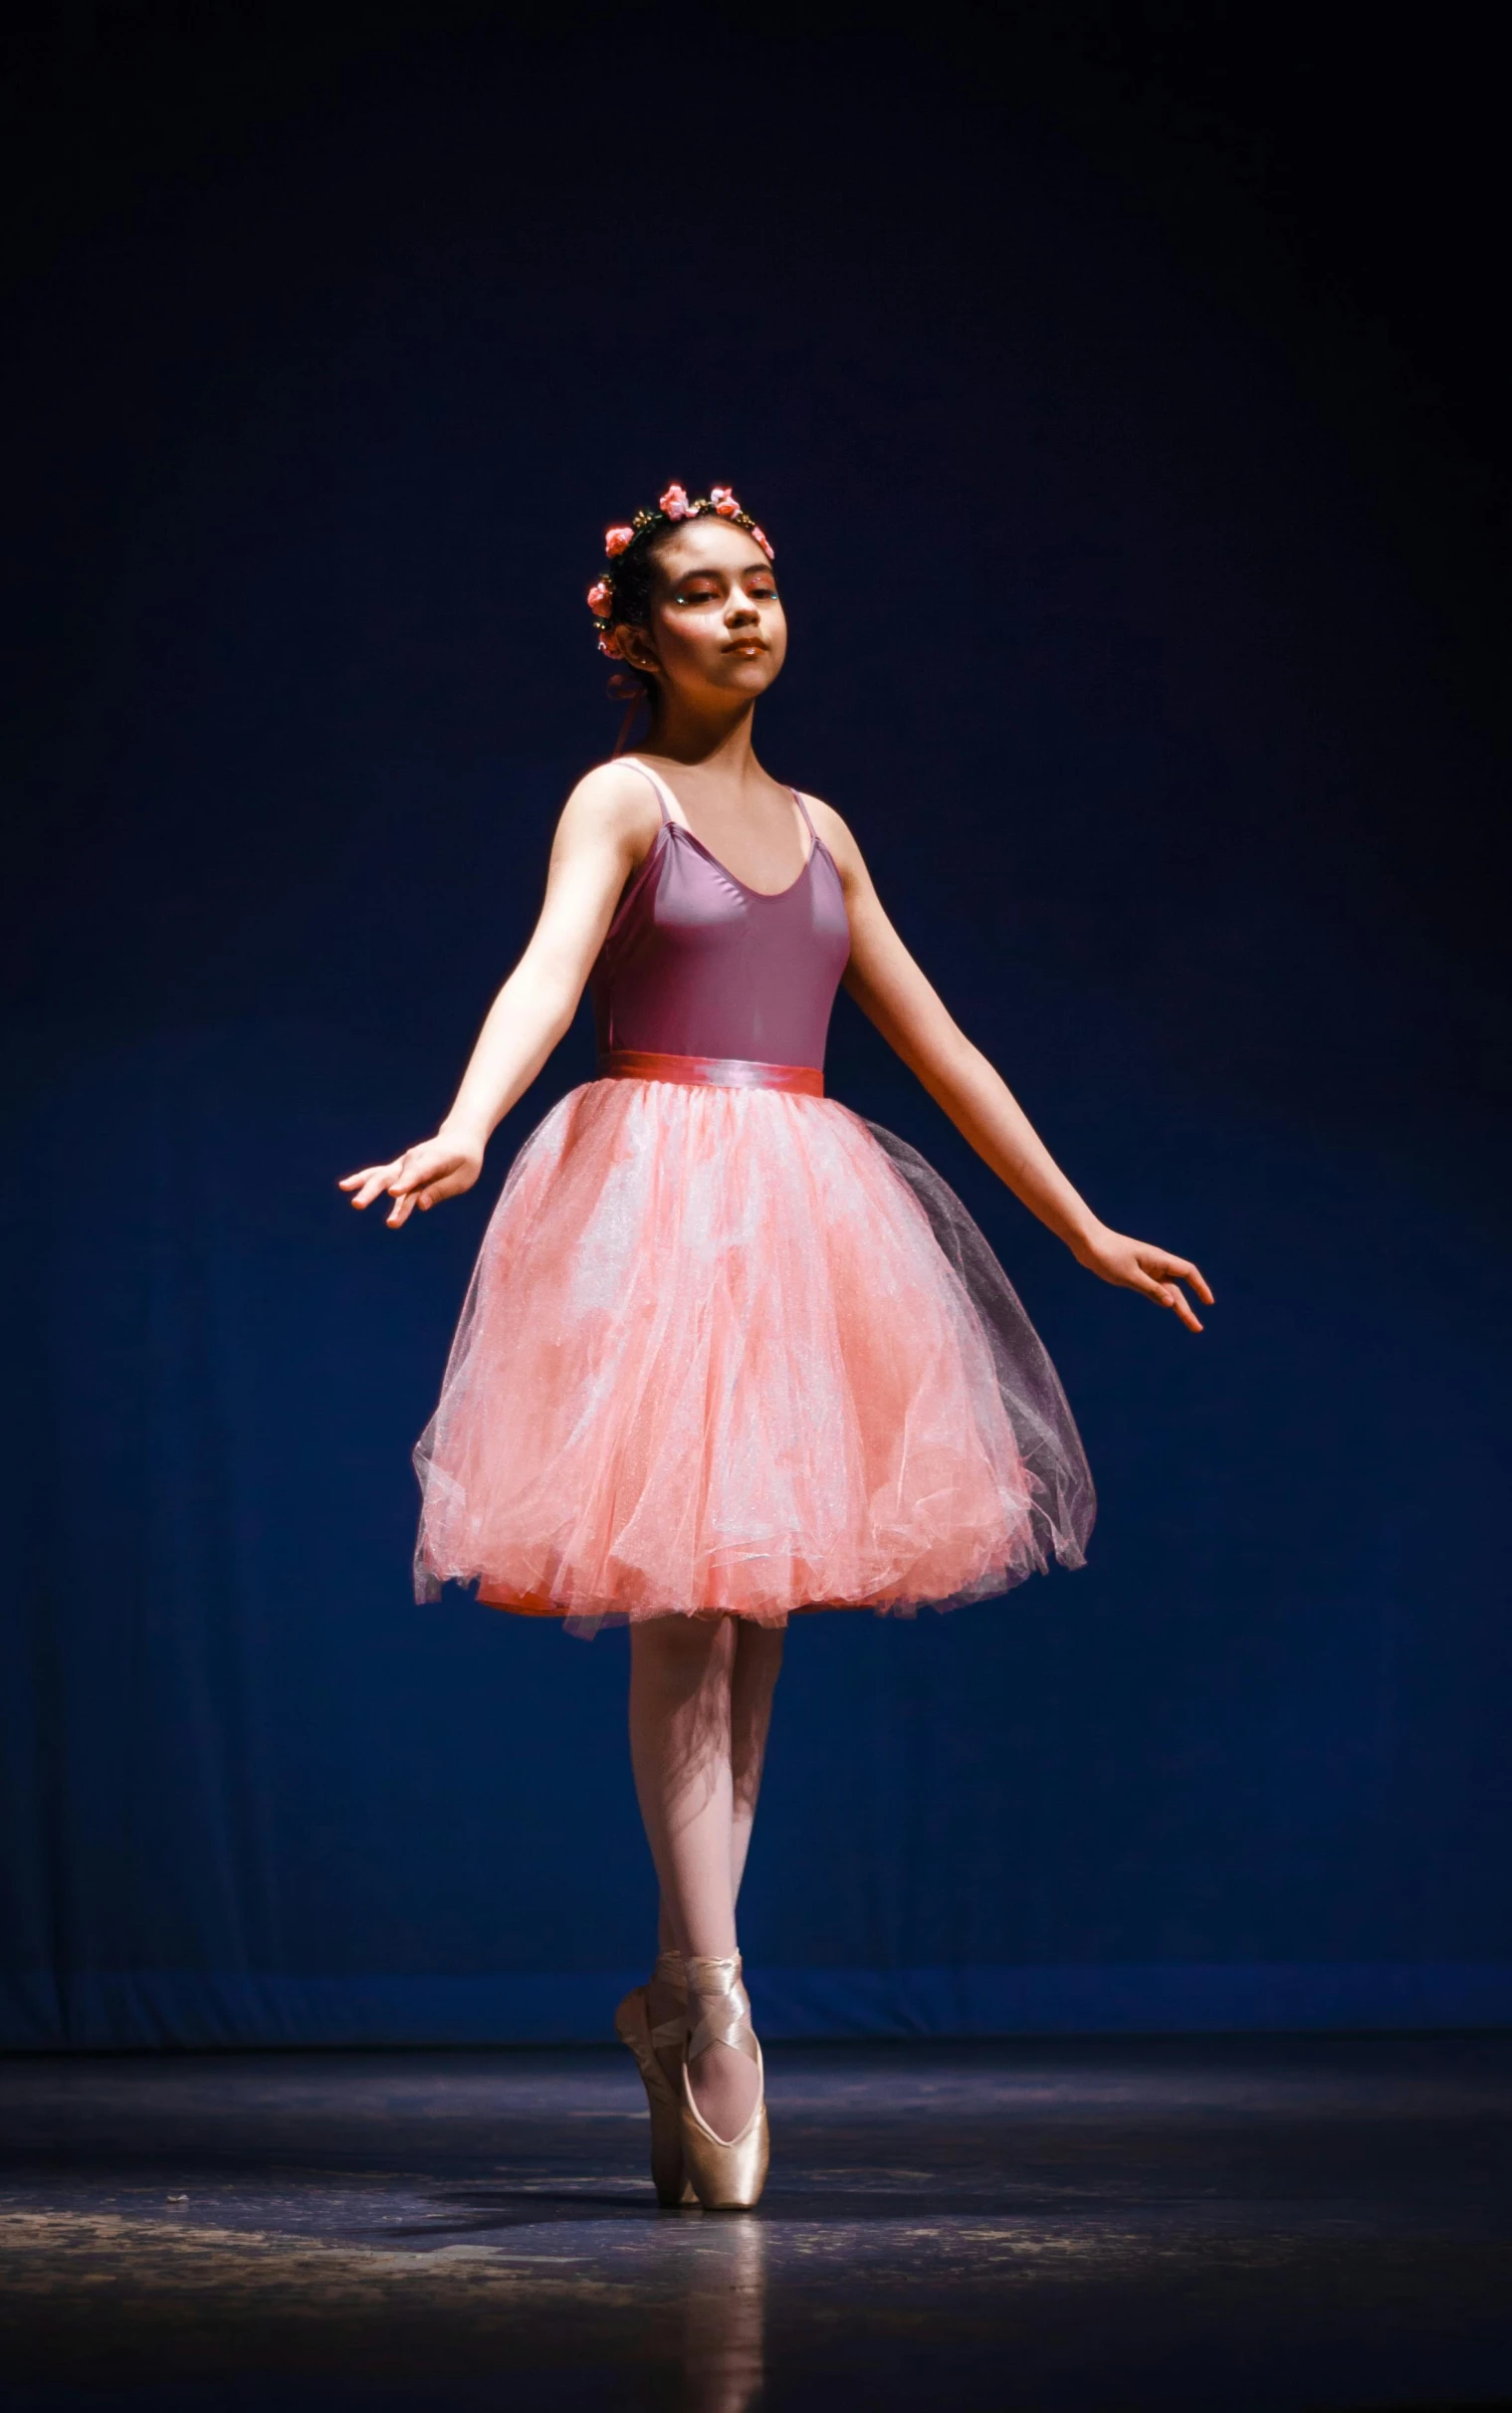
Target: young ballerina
[729,1350]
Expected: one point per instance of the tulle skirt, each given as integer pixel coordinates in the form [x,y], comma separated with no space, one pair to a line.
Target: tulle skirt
[739,1349]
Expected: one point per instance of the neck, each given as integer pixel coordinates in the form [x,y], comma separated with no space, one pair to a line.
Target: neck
[718,741]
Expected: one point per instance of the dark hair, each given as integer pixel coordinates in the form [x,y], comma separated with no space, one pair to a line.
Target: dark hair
[632,592]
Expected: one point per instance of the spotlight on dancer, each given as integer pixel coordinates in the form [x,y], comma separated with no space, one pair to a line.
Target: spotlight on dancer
[730,1351]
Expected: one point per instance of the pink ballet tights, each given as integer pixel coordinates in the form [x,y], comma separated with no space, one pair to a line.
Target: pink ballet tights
[700,1705]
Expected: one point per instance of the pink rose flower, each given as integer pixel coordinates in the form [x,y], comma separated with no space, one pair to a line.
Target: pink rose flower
[765,542]
[608,643]
[616,539]
[722,499]
[600,597]
[676,505]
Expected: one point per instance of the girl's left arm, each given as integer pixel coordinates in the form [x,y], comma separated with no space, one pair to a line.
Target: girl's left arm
[890,989]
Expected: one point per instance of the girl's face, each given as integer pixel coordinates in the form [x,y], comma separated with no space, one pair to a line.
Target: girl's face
[718,630]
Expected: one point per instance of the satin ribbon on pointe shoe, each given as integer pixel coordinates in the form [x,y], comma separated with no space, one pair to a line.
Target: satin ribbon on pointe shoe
[632,2025]
[728,2173]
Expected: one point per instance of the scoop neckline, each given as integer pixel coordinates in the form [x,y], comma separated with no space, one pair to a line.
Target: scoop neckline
[768,896]
[669,797]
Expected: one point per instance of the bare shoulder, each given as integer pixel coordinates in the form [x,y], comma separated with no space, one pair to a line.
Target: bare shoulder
[837,835]
[611,804]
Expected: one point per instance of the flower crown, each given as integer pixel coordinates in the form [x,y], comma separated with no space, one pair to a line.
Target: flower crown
[674,505]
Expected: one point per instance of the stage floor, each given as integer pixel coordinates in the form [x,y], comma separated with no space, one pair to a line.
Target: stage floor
[1081,2224]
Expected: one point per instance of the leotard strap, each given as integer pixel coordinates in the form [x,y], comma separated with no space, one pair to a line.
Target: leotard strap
[658,785]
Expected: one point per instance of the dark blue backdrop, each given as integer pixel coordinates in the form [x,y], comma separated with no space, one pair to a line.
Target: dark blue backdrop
[1120,416]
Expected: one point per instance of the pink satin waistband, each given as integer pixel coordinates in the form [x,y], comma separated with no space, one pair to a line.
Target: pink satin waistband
[710,1072]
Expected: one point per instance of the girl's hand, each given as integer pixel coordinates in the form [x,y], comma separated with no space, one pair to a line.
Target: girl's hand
[422,1177]
[1136,1266]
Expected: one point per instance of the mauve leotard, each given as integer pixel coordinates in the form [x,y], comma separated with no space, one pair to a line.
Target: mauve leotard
[696,963]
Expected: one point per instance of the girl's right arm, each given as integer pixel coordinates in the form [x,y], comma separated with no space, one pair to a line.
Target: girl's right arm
[607,827]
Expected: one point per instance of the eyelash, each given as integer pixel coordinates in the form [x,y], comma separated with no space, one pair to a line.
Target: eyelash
[763,595]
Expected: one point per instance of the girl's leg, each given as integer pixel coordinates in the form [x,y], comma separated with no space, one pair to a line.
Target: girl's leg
[758,1661]
[758,1664]
[681,1671]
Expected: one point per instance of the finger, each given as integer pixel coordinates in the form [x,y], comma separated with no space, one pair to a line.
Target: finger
[359,1181]
[400,1211]
[1183,1309]
[421,1171]
[1176,1297]
[1177,1270]
[450,1185]
[1148,1288]
[1167,1294]
[374,1185]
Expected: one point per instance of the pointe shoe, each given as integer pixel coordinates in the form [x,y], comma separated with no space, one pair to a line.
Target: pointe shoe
[728,2173]
[632,2025]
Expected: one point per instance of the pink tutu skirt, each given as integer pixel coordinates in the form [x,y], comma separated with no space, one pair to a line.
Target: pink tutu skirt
[739,1349]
